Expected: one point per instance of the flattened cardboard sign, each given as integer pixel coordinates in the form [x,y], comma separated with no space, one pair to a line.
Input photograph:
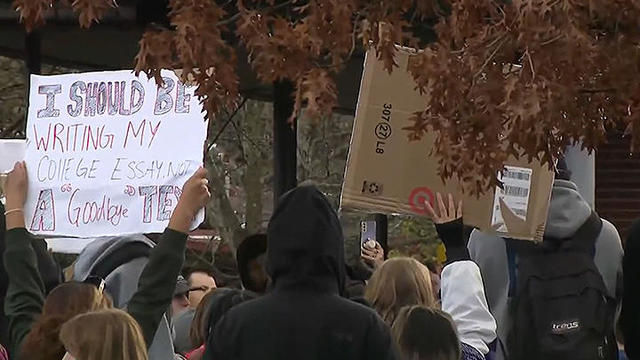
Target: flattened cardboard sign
[387,173]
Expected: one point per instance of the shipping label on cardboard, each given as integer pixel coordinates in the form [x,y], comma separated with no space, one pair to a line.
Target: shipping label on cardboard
[515,191]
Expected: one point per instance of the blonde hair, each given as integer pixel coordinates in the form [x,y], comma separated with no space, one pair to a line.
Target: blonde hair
[63,303]
[397,283]
[110,334]
[423,333]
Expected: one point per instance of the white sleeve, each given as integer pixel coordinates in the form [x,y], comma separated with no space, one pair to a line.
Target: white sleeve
[463,298]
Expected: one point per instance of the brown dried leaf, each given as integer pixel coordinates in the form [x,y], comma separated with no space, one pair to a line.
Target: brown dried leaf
[90,11]
[318,91]
[32,12]
[155,53]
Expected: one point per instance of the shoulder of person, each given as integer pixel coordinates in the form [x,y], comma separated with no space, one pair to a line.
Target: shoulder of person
[361,312]
[248,309]
[609,229]
[479,239]
[610,235]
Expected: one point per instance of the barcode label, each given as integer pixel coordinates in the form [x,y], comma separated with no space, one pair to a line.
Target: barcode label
[515,191]
[518,175]
[514,195]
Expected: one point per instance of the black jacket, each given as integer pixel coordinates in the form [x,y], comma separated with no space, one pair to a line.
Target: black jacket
[630,317]
[48,268]
[304,316]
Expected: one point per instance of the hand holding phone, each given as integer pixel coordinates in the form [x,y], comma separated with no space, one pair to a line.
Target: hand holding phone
[370,250]
[367,235]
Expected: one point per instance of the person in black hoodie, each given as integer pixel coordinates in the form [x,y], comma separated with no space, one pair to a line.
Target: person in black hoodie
[630,317]
[304,316]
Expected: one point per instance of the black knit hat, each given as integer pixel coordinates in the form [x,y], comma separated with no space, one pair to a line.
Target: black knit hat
[250,248]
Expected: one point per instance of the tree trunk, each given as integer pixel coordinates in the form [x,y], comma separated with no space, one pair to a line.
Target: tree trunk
[256,163]
[284,141]
[231,228]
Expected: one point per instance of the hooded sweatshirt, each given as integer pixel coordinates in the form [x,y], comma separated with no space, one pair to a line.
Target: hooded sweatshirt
[122,283]
[568,211]
[630,320]
[304,316]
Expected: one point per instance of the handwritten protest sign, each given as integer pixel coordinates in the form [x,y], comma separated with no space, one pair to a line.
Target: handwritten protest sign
[108,152]
[11,150]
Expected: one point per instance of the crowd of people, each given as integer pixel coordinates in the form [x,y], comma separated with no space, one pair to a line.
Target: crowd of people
[129,298]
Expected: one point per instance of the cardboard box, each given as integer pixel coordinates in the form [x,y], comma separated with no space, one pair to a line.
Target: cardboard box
[387,173]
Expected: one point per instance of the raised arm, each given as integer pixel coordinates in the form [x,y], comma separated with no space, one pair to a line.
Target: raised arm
[158,279]
[462,288]
[25,295]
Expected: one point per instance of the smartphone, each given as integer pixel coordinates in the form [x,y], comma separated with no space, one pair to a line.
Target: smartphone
[367,234]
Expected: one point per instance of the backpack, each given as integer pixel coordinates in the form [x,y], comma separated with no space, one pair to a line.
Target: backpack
[560,306]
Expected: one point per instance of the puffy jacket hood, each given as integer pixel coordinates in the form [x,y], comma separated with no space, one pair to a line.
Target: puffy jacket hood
[305,244]
[101,248]
[567,211]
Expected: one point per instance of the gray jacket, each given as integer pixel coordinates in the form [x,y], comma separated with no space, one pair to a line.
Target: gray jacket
[122,283]
[567,212]
[182,328]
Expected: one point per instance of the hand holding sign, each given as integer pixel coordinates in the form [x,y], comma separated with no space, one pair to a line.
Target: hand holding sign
[195,195]
[16,189]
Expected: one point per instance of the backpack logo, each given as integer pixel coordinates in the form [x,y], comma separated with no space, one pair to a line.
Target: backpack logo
[565,327]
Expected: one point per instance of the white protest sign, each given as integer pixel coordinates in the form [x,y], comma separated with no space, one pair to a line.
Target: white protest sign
[108,152]
[11,150]
[68,245]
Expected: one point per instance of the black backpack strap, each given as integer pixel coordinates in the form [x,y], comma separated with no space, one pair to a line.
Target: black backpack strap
[586,236]
[122,255]
[516,248]
[511,261]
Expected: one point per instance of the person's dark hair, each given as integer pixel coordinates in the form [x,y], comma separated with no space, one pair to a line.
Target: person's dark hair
[205,269]
[422,333]
[249,249]
[63,303]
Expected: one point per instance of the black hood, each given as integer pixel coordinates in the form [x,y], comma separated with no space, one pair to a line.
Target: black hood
[250,248]
[305,242]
